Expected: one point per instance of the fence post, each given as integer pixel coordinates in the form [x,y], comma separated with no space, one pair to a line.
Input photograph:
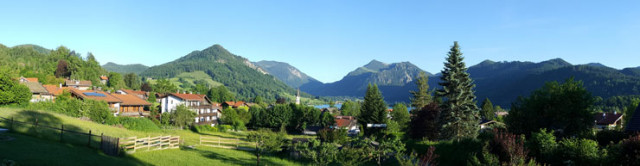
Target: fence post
[11,128]
[35,126]
[89,140]
[118,147]
[218,141]
[101,140]
[148,142]
[200,140]
[61,132]
[237,142]
[135,143]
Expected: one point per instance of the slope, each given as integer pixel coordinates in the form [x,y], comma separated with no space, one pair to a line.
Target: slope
[286,73]
[124,69]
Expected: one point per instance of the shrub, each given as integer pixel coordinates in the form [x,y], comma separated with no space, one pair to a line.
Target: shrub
[224,128]
[542,145]
[629,151]
[606,137]
[97,111]
[509,148]
[131,123]
[577,152]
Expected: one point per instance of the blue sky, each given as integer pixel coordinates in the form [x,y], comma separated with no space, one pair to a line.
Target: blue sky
[327,39]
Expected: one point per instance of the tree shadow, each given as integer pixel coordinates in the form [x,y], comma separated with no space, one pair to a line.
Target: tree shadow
[236,160]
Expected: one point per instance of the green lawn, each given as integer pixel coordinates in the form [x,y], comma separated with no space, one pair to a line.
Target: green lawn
[42,146]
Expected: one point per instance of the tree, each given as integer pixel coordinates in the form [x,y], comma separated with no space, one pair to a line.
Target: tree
[152,97]
[630,110]
[332,104]
[63,69]
[425,123]
[421,97]
[266,142]
[354,153]
[487,111]
[400,114]
[320,153]
[182,116]
[164,86]
[146,87]
[373,110]
[132,81]
[12,92]
[542,145]
[116,81]
[565,106]
[220,94]
[350,108]
[459,118]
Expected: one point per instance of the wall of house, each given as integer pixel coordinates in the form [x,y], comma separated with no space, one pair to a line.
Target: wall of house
[39,98]
[170,103]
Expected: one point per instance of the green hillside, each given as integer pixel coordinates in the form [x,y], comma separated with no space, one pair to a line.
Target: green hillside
[286,73]
[124,69]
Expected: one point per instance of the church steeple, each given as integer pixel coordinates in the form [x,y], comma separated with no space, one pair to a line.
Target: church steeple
[298,97]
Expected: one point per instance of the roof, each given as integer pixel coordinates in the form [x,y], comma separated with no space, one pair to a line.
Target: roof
[35,87]
[55,89]
[130,99]
[104,78]
[606,118]
[344,121]
[485,122]
[634,122]
[95,95]
[30,79]
[235,104]
[184,96]
[77,83]
[134,92]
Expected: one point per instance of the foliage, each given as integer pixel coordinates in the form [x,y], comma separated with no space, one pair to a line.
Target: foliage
[146,87]
[116,81]
[266,142]
[422,96]
[385,147]
[629,153]
[62,69]
[320,153]
[630,109]
[164,86]
[220,94]
[333,135]
[509,148]
[124,69]
[425,123]
[542,145]
[97,111]
[12,92]
[607,137]
[373,110]
[354,153]
[565,106]
[487,111]
[132,123]
[236,118]
[459,116]
[132,81]
[400,114]
[575,151]
[350,108]
[182,116]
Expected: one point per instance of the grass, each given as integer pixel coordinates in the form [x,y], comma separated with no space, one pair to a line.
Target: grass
[192,77]
[42,146]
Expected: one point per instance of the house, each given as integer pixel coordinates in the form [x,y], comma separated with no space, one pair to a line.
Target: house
[77,84]
[56,90]
[349,123]
[131,105]
[633,126]
[104,79]
[484,124]
[311,130]
[140,94]
[233,104]
[607,120]
[501,113]
[114,103]
[30,79]
[208,113]
[38,92]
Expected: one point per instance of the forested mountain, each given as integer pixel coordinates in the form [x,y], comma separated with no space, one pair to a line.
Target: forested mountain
[286,73]
[45,64]
[125,69]
[235,72]
[391,79]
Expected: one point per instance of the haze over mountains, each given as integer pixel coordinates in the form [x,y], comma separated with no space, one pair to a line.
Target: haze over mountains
[502,82]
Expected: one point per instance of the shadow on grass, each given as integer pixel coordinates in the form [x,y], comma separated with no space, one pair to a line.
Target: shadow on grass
[226,158]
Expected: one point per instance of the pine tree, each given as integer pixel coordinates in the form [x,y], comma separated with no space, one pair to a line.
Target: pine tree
[459,118]
[373,108]
[487,109]
[422,96]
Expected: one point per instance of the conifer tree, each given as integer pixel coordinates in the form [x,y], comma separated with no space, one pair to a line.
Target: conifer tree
[373,108]
[459,118]
[487,111]
[421,97]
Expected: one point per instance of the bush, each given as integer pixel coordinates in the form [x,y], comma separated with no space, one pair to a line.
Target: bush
[606,137]
[542,144]
[627,152]
[577,152]
[97,111]
[204,128]
[224,128]
[131,123]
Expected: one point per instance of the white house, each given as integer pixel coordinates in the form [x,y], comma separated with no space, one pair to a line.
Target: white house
[208,113]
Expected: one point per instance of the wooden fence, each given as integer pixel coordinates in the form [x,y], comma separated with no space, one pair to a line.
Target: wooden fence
[132,144]
[227,143]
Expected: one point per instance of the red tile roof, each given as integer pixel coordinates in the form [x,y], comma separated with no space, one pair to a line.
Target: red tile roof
[606,118]
[104,77]
[77,83]
[134,92]
[344,121]
[31,79]
[106,97]
[189,96]
[55,89]
[130,99]
[235,104]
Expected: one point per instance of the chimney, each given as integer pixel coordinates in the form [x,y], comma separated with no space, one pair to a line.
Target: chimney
[178,91]
[60,85]
[615,112]
[604,114]
[190,92]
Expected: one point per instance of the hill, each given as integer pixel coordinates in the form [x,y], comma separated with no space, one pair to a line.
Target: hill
[286,73]
[391,79]
[235,72]
[125,69]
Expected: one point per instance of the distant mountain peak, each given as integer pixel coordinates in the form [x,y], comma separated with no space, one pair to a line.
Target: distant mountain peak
[556,61]
[596,64]
[375,65]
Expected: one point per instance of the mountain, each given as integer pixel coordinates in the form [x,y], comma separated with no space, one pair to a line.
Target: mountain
[125,69]
[235,72]
[286,73]
[390,78]
[596,64]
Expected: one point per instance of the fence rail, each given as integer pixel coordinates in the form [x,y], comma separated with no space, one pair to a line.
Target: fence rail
[132,144]
[227,143]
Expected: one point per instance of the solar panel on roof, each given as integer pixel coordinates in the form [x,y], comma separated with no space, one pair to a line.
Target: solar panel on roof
[94,94]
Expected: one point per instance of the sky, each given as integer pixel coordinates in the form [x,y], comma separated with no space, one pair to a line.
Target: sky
[326,39]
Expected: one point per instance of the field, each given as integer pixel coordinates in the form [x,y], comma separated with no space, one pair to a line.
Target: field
[37,147]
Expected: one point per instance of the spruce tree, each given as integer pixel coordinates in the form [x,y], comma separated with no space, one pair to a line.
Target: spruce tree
[459,118]
[373,108]
[487,109]
[421,97]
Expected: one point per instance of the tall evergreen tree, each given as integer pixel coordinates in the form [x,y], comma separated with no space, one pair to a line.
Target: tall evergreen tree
[373,108]
[132,81]
[421,97]
[487,111]
[459,118]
